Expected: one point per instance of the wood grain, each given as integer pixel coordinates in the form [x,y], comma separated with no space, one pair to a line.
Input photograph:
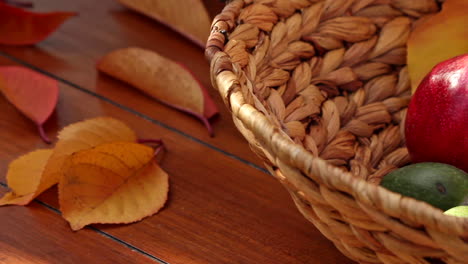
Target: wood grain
[34,235]
[72,52]
[220,210]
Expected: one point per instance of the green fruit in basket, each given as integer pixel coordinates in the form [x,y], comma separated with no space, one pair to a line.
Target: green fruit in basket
[461,211]
[441,185]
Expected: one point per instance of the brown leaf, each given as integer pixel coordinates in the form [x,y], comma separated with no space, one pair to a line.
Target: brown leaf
[162,79]
[188,17]
[112,183]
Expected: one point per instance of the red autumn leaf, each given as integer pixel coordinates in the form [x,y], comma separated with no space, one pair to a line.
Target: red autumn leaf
[21,27]
[19,3]
[34,94]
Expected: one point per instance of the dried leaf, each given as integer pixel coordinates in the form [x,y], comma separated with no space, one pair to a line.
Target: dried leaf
[187,17]
[436,39]
[34,94]
[161,78]
[112,183]
[80,136]
[24,177]
[21,27]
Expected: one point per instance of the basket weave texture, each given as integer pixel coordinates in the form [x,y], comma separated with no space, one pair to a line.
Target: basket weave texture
[319,89]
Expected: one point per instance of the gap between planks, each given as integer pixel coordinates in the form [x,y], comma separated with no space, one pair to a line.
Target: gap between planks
[132,111]
[101,232]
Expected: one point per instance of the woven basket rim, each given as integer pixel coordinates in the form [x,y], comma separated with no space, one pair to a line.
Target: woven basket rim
[226,82]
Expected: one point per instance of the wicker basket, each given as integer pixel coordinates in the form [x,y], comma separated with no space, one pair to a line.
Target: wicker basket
[319,89]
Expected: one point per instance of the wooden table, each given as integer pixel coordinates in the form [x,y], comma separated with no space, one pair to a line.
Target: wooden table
[223,207]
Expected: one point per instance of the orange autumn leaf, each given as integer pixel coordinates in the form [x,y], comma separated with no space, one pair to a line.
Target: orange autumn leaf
[34,94]
[161,78]
[440,37]
[21,27]
[83,135]
[188,17]
[112,183]
[24,176]
[44,167]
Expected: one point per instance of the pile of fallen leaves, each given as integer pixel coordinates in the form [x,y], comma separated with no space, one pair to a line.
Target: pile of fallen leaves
[103,175]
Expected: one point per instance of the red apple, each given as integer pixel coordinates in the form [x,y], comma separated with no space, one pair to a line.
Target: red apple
[436,127]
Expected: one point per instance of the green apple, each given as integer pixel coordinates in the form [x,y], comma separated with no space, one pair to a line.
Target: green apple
[461,211]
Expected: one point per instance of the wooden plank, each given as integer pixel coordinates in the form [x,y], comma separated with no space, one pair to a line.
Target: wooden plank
[32,235]
[219,211]
[72,52]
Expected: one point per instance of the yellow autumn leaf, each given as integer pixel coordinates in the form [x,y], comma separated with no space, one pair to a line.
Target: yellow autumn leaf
[24,176]
[112,183]
[187,17]
[440,37]
[161,78]
[80,136]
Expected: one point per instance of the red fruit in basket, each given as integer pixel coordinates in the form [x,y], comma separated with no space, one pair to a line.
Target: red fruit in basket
[436,126]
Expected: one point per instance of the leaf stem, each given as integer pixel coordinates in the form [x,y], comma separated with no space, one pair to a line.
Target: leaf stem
[43,134]
[159,149]
[160,144]
[207,125]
